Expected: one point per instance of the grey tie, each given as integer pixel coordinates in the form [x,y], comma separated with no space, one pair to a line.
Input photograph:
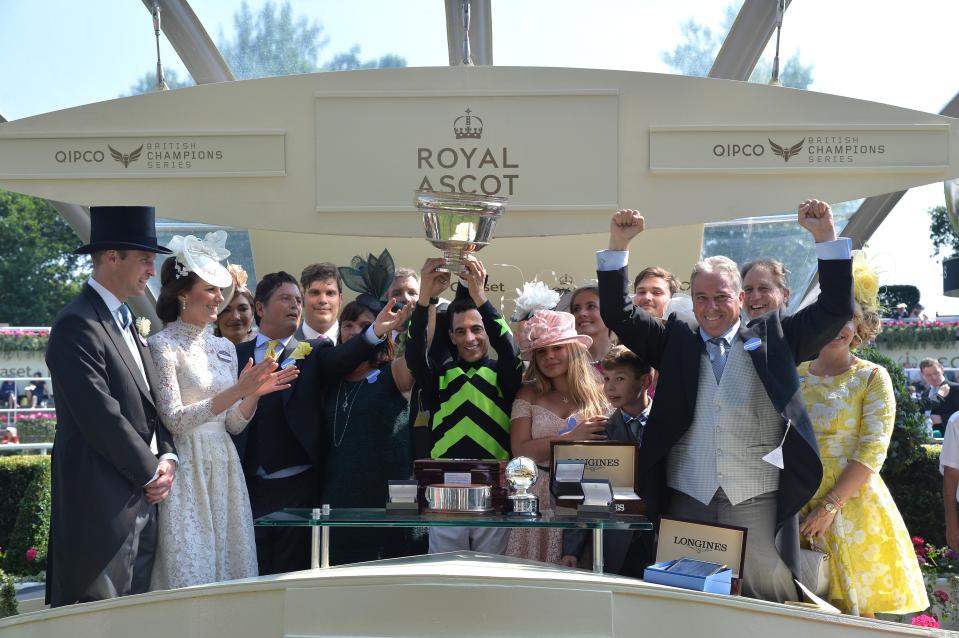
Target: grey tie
[124,312]
[718,350]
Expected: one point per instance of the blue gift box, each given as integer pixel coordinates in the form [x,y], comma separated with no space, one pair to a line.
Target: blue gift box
[718,583]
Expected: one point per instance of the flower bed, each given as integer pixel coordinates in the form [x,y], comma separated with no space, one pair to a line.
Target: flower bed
[24,339]
[940,569]
[38,427]
[911,334]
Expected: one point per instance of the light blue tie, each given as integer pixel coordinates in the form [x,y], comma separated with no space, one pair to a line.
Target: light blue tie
[125,318]
[718,350]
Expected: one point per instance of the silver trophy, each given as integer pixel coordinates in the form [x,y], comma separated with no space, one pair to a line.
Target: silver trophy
[521,474]
[458,223]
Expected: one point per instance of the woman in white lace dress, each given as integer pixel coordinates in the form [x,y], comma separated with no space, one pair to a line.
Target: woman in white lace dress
[205,531]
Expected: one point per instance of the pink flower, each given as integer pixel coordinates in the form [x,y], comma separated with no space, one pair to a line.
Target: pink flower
[918,540]
[941,595]
[925,620]
[32,554]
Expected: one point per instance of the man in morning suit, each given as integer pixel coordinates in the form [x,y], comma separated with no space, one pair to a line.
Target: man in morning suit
[941,396]
[728,396]
[283,449]
[106,478]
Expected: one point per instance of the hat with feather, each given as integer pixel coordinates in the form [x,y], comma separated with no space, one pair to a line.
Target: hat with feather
[371,278]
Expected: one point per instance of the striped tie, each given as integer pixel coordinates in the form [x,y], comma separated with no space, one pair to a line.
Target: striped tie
[717,355]
[124,312]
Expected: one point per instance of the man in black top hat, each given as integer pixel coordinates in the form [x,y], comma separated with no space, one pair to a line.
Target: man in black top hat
[113,460]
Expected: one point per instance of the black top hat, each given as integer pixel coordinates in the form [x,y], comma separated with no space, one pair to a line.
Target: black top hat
[122,228]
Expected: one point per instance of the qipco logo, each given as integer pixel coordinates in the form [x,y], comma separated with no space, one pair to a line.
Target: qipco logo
[737,150]
[78,156]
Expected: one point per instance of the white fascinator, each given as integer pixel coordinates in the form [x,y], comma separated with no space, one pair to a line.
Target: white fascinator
[535,295]
[203,257]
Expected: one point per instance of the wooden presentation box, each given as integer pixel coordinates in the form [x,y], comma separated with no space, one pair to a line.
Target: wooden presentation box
[490,472]
[615,461]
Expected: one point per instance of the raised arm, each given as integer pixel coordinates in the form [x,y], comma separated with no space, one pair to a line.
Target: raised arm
[432,284]
[637,330]
[811,328]
[509,366]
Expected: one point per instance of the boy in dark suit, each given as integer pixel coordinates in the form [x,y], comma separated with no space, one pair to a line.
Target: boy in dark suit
[626,381]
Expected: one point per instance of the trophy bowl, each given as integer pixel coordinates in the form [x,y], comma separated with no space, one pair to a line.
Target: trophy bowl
[458,223]
[521,475]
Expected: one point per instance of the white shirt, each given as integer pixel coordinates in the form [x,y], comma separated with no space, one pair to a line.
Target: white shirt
[113,305]
[949,457]
[332,334]
[840,248]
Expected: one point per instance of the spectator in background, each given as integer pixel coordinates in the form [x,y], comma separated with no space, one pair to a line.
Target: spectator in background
[235,320]
[322,296]
[653,288]
[900,312]
[405,288]
[917,312]
[941,396]
[764,282]
[8,394]
[584,306]
[949,467]
[40,397]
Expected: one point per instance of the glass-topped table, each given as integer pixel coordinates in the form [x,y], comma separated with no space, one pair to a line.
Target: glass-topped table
[321,520]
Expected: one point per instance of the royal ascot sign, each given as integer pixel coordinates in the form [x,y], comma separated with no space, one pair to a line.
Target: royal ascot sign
[342,153]
[519,146]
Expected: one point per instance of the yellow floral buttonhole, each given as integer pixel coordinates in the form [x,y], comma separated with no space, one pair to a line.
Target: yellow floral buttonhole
[301,350]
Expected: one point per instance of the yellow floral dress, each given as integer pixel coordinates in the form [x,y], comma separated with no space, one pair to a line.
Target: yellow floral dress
[873,567]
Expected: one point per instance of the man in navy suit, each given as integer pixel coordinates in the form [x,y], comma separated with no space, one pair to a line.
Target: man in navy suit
[283,449]
[107,478]
[728,439]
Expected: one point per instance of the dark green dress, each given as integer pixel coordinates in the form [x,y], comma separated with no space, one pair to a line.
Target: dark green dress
[368,431]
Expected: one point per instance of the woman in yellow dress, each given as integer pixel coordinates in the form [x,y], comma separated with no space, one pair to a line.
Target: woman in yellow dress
[873,567]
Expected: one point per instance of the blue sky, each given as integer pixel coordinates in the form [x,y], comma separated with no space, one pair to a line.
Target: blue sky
[60,53]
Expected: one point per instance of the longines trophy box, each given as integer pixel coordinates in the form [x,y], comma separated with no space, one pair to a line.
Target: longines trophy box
[614,461]
[681,539]
[461,486]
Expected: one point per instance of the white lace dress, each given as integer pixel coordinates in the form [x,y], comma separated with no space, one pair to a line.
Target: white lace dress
[205,531]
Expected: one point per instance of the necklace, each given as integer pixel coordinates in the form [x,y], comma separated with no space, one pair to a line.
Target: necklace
[346,407]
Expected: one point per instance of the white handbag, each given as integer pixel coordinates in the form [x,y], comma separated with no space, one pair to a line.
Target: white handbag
[814,570]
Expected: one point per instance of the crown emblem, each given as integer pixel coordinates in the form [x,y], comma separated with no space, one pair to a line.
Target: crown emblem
[468,126]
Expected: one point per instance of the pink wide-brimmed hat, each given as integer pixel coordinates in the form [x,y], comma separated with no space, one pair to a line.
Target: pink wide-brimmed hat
[548,328]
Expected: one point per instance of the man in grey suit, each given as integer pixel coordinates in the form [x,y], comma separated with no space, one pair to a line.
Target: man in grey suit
[107,479]
[728,439]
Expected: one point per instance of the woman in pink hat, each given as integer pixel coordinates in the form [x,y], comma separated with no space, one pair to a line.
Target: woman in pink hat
[562,400]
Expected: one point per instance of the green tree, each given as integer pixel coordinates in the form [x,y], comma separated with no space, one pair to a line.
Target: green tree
[273,42]
[941,232]
[697,50]
[38,272]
